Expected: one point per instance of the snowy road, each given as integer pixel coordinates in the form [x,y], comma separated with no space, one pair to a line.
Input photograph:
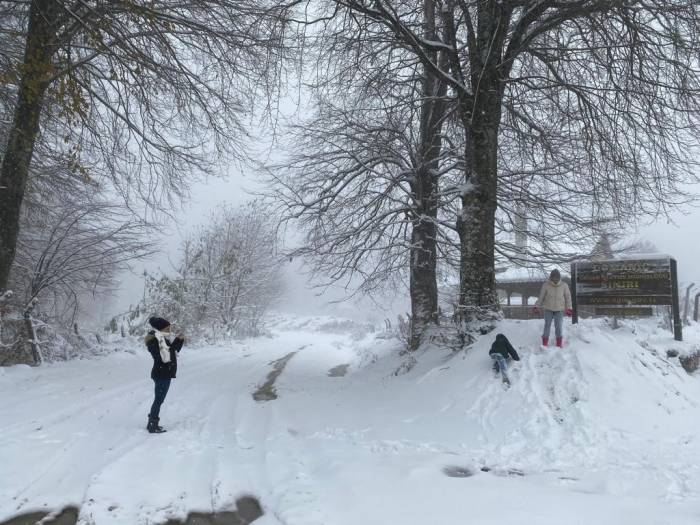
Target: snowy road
[584,436]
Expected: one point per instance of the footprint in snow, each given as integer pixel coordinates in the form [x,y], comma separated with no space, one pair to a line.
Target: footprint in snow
[504,471]
[338,371]
[454,471]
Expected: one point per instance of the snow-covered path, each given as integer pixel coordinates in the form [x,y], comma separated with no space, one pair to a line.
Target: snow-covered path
[604,432]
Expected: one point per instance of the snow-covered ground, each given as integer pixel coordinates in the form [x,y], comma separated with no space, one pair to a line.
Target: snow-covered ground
[605,431]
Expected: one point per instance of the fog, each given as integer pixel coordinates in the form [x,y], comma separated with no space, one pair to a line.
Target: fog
[299,295]
[678,237]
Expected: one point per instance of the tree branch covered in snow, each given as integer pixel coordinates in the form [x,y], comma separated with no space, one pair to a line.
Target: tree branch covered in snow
[145,96]
[574,114]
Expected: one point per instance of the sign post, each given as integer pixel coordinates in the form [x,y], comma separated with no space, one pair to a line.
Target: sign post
[627,287]
[677,324]
[574,302]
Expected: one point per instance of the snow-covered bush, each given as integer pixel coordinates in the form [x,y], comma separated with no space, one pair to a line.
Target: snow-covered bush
[229,274]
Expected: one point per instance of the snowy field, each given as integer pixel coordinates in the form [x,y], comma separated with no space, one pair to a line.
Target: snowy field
[605,431]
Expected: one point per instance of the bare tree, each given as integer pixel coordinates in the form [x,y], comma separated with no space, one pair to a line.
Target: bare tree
[74,249]
[358,183]
[621,77]
[140,93]
[71,247]
[363,178]
[229,274]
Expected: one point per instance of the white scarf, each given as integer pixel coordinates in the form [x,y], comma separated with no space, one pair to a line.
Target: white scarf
[163,345]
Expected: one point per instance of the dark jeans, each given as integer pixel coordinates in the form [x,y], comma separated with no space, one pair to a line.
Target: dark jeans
[162,386]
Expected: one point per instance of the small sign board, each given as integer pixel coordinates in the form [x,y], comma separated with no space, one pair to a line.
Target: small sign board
[626,287]
[624,311]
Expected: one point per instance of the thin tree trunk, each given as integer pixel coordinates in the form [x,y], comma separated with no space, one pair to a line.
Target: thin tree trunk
[423,279]
[32,340]
[35,72]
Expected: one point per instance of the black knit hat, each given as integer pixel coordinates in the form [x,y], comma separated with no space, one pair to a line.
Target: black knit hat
[158,323]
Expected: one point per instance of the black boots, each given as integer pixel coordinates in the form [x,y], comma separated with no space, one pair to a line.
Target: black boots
[153,426]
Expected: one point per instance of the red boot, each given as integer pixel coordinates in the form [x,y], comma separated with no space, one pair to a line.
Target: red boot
[545,341]
[560,342]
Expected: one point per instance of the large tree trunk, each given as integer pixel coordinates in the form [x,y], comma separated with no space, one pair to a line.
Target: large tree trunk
[480,113]
[476,224]
[425,188]
[34,74]
[477,284]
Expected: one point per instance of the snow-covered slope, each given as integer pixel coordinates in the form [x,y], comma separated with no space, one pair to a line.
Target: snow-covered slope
[604,431]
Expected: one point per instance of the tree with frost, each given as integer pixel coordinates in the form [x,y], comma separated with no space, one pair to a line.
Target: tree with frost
[73,242]
[620,79]
[72,251]
[229,275]
[362,180]
[374,193]
[141,94]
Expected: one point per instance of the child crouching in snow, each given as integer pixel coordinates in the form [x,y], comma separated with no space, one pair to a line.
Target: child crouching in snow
[501,350]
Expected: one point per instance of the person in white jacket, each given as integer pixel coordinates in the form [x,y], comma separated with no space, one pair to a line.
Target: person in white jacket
[555,300]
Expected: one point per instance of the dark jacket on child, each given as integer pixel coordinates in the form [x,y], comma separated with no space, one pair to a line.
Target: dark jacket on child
[502,346]
[160,369]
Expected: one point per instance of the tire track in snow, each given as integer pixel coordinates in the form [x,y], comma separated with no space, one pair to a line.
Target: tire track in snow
[92,400]
[226,446]
[201,441]
[288,476]
[106,440]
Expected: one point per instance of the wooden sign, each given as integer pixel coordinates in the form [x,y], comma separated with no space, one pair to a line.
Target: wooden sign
[626,285]
[624,282]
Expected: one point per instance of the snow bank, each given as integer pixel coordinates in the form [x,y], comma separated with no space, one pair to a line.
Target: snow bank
[602,432]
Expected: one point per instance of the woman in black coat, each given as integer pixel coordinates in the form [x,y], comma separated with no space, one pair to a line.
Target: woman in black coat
[164,353]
